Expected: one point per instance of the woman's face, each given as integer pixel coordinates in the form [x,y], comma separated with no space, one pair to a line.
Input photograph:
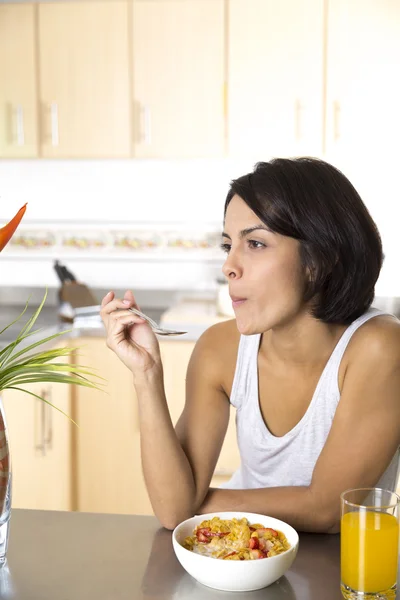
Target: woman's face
[266,279]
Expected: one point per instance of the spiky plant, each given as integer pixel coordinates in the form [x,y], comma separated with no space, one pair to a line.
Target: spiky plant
[23,365]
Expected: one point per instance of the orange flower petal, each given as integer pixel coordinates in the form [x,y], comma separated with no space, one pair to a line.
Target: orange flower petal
[8,230]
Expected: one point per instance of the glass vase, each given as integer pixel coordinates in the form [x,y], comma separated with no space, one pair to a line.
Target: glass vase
[5,485]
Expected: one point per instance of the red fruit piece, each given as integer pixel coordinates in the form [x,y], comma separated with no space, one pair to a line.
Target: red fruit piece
[257,553]
[254,543]
[204,531]
[203,535]
[265,545]
[266,530]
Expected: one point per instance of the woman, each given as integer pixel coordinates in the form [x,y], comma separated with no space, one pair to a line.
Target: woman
[312,370]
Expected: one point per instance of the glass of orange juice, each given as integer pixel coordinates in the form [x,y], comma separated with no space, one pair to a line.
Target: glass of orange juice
[369,543]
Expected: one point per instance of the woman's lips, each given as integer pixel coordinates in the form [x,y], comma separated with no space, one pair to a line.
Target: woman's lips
[237,301]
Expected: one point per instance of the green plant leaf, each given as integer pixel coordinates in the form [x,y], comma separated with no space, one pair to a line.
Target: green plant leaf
[25,367]
[15,320]
[31,346]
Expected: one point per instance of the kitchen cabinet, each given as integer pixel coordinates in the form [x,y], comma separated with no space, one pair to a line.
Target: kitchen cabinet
[176,356]
[18,93]
[275,78]
[178,78]
[108,460]
[363,91]
[362,108]
[40,446]
[84,79]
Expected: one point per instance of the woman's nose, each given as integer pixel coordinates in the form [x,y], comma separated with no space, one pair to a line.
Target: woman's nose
[231,269]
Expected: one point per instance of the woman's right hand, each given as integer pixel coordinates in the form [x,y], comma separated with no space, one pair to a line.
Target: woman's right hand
[129,336]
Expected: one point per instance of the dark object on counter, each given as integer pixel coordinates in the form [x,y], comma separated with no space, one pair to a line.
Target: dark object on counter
[63,273]
[72,294]
[59,271]
[77,294]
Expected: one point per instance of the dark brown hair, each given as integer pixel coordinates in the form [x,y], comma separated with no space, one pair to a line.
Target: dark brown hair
[313,202]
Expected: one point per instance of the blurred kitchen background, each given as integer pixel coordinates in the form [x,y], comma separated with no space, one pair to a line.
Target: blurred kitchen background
[122,123]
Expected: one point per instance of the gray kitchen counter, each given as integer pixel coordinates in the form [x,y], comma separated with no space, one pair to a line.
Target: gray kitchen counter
[49,323]
[84,556]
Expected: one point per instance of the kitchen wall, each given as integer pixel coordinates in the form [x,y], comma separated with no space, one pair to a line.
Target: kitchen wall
[143,224]
[79,211]
[136,79]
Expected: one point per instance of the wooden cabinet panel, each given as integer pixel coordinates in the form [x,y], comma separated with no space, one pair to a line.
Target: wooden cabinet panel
[275,78]
[362,109]
[18,93]
[109,471]
[84,79]
[363,89]
[178,78]
[108,459]
[40,444]
[176,356]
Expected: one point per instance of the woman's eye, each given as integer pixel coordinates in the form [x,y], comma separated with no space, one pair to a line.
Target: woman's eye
[225,247]
[254,244]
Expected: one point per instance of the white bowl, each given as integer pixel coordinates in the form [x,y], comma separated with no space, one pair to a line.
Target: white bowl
[234,575]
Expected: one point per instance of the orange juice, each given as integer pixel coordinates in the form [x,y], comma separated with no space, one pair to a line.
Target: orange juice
[369,550]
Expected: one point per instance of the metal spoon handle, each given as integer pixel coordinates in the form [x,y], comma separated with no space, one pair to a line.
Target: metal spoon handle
[155,327]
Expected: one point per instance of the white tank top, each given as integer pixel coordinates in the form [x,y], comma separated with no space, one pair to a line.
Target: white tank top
[270,461]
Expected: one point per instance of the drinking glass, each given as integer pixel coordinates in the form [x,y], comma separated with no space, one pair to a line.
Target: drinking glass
[369,543]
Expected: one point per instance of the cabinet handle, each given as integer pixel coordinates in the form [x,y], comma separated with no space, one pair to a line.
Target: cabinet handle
[41,446]
[20,125]
[48,436]
[298,107]
[54,124]
[147,125]
[336,120]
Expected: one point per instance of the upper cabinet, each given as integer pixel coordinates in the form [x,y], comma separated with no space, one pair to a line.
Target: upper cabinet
[246,79]
[18,97]
[363,90]
[178,78]
[275,74]
[84,79]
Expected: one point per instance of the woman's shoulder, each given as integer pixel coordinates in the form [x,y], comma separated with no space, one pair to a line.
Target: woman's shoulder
[377,339]
[218,346]
[221,339]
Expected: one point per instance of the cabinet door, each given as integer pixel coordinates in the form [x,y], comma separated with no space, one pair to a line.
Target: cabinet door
[178,78]
[275,78]
[176,356]
[108,459]
[363,90]
[84,77]
[18,100]
[363,116]
[40,446]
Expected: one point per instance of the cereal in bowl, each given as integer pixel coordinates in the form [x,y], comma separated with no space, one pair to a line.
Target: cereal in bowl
[235,539]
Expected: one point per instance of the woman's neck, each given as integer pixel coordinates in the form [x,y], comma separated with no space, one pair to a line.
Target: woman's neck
[304,341]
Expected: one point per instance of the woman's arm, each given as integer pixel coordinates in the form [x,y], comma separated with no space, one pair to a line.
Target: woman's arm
[363,439]
[177,465]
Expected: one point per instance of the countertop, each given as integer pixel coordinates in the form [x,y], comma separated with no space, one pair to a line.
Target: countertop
[83,556]
[191,314]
